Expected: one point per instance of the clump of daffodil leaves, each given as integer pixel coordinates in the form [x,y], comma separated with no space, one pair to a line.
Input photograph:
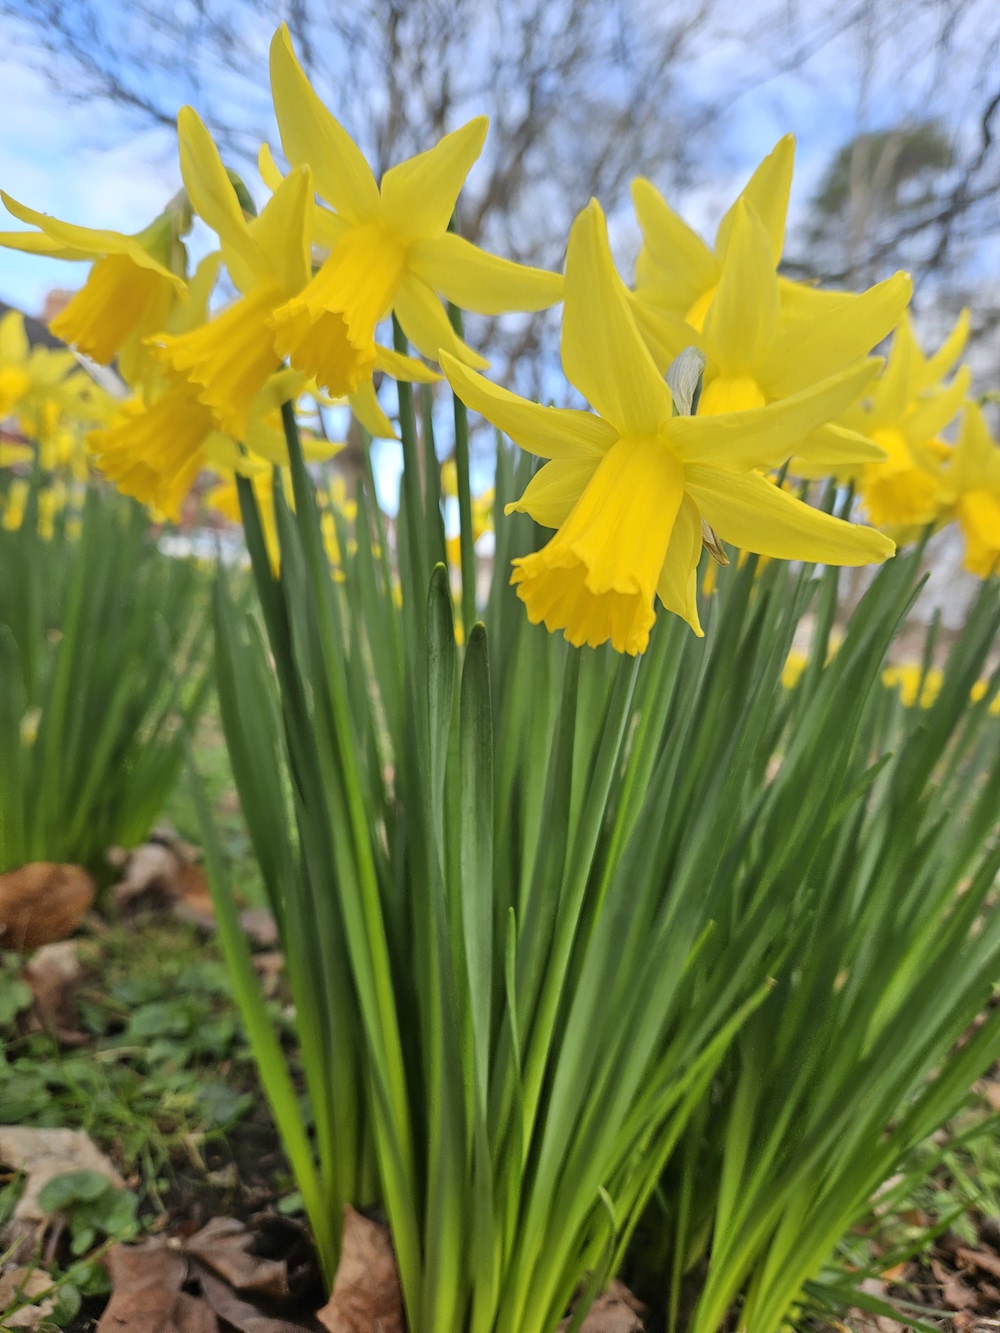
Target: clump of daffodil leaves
[626,924]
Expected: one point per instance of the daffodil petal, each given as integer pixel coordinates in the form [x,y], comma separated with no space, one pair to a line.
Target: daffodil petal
[214,199]
[742,319]
[892,393]
[405,368]
[552,492]
[603,353]
[91,242]
[752,513]
[328,228]
[677,587]
[833,446]
[311,134]
[283,231]
[938,365]
[425,322]
[765,436]
[925,419]
[420,194]
[485,283]
[766,192]
[674,265]
[665,333]
[37,243]
[811,349]
[368,410]
[549,432]
[270,173]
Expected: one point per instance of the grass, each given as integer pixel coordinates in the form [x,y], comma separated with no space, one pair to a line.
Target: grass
[160,1065]
[212,759]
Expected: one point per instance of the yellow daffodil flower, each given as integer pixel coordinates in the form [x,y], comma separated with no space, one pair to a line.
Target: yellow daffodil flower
[907,678]
[754,357]
[226,361]
[978,692]
[26,371]
[134,283]
[795,663]
[630,484]
[907,408]
[15,504]
[390,248]
[970,492]
[678,275]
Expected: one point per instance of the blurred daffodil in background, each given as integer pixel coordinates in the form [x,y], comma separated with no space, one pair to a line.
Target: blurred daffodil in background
[906,410]
[970,491]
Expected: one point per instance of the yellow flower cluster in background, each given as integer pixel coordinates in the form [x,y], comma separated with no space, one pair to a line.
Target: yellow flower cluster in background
[633,487]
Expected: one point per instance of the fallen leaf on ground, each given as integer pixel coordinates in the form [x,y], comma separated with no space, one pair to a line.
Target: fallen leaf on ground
[223,1245]
[616,1311]
[146,1283]
[366,1294]
[955,1294]
[25,1282]
[243,1316]
[52,973]
[989,1263]
[41,903]
[42,1154]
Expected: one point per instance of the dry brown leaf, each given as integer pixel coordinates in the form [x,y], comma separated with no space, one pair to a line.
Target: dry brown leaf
[366,1297]
[989,1263]
[151,869]
[41,903]
[24,1283]
[223,1245]
[52,973]
[146,1283]
[43,1154]
[243,1316]
[955,1294]
[616,1311]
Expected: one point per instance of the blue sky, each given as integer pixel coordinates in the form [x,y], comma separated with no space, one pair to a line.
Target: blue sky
[88,165]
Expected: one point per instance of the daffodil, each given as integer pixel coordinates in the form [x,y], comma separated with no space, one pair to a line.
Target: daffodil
[15,504]
[753,356]
[678,275]
[155,453]
[915,685]
[226,361]
[970,492]
[629,485]
[389,247]
[907,408]
[133,285]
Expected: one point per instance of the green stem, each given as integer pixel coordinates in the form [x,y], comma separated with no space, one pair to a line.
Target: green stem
[411,470]
[466,534]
